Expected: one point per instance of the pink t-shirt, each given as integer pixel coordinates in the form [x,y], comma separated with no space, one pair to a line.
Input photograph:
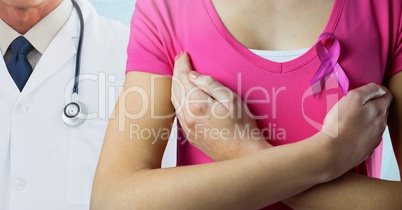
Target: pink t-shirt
[280,94]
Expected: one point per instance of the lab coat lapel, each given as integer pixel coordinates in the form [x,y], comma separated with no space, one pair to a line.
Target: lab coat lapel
[7,84]
[58,53]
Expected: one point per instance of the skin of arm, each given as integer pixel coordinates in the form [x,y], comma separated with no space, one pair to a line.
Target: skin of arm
[129,175]
[352,191]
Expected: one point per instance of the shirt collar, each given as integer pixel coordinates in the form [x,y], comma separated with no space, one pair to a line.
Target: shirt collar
[8,36]
[42,34]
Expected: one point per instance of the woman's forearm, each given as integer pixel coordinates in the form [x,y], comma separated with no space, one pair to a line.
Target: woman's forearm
[350,191]
[249,182]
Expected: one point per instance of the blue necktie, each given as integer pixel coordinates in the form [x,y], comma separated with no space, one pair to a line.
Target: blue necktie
[18,66]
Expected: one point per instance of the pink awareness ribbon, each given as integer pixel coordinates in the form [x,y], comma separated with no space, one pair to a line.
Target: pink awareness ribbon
[329,65]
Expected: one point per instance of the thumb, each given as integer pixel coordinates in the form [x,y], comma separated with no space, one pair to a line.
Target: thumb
[183,63]
[371,91]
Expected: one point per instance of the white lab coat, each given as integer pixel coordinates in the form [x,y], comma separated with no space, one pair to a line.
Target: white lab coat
[45,164]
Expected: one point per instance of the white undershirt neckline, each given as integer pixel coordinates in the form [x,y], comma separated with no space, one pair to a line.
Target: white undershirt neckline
[280,56]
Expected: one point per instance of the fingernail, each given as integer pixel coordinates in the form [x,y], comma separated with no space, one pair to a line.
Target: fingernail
[382,91]
[194,75]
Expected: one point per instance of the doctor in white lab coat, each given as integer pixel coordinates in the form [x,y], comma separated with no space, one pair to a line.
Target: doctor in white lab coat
[45,164]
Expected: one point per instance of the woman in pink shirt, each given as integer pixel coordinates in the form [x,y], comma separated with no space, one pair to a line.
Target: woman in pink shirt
[359,42]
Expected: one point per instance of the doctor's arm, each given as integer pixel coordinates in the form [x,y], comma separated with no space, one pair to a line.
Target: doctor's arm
[352,191]
[129,176]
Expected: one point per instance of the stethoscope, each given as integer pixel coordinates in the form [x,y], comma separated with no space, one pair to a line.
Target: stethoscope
[76,112]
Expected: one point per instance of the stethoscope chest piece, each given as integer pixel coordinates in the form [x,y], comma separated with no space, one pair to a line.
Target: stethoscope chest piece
[74,113]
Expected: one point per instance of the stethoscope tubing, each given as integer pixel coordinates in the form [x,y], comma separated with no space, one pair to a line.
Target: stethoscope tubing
[79,49]
[80,114]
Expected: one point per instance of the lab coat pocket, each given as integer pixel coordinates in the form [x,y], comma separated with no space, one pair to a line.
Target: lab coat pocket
[84,149]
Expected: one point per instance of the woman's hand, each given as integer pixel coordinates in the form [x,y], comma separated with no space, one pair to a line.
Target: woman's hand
[356,124]
[211,115]
[206,109]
